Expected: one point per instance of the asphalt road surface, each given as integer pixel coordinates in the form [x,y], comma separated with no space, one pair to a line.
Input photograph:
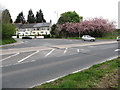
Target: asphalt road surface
[46,42]
[28,69]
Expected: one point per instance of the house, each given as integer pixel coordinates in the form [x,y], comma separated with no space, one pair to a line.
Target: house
[34,29]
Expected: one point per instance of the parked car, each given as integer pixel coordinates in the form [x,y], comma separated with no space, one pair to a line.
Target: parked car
[26,37]
[88,38]
[118,38]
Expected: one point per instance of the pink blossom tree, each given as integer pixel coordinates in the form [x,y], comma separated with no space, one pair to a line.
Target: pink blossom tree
[96,27]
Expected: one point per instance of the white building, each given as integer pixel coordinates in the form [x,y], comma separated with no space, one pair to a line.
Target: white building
[35,29]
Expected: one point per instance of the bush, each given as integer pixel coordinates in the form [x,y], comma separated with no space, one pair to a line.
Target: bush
[46,36]
[7,30]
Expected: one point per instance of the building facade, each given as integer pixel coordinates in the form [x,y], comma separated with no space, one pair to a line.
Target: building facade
[35,29]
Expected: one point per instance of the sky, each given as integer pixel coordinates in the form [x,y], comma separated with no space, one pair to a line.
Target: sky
[52,9]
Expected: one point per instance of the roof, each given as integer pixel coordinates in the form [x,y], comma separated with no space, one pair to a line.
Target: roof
[42,25]
[34,25]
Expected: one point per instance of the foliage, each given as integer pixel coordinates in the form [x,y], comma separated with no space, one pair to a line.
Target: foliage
[96,27]
[6,17]
[20,18]
[30,18]
[7,41]
[53,30]
[69,17]
[40,17]
[7,30]
[46,36]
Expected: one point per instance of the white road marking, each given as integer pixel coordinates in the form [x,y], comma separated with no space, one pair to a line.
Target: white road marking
[9,57]
[65,50]
[28,56]
[73,72]
[78,50]
[117,50]
[82,49]
[49,53]
[91,46]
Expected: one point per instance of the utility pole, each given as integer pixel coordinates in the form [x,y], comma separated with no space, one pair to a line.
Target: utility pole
[57,16]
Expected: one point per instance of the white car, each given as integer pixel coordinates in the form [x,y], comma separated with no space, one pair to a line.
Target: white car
[88,38]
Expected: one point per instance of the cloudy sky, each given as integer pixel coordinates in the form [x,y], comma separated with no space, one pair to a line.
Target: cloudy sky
[107,9]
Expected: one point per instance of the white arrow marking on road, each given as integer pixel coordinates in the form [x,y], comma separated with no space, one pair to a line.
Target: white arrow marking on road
[9,57]
[49,53]
[27,56]
[117,50]
[65,50]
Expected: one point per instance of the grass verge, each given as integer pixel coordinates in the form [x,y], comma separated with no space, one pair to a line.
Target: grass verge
[104,75]
[7,41]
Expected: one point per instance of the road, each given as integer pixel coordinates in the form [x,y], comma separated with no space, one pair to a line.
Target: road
[36,66]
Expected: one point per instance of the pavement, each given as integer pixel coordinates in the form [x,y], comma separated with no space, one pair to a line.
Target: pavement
[31,66]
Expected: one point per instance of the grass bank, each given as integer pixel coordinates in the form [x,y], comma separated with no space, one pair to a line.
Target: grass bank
[104,75]
[7,41]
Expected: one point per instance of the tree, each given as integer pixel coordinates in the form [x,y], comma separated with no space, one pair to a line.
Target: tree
[96,27]
[7,30]
[6,17]
[40,17]
[53,31]
[20,18]
[69,17]
[30,18]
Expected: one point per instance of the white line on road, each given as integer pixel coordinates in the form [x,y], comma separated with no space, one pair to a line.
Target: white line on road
[91,46]
[51,80]
[78,50]
[117,50]
[9,57]
[65,50]
[82,49]
[49,53]
[28,56]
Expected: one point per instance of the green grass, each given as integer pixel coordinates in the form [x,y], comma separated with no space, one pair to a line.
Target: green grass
[7,41]
[88,78]
[110,35]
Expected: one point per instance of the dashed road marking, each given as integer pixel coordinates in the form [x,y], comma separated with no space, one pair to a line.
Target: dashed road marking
[117,50]
[78,50]
[28,56]
[9,57]
[65,50]
[81,49]
[49,53]
[91,46]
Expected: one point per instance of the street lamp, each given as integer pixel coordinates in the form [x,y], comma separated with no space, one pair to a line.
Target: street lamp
[57,16]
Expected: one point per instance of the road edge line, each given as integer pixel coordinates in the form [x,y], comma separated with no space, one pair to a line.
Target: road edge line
[51,80]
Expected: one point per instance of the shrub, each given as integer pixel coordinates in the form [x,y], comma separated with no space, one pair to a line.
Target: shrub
[46,36]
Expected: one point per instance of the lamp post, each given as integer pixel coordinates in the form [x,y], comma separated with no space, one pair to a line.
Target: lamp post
[57,16]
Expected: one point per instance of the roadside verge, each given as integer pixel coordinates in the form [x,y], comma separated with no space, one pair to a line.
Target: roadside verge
[103,75]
